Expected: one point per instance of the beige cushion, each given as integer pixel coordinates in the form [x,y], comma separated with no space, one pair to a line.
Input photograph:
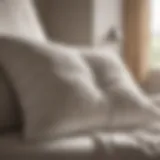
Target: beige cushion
[19,17]
[55,87]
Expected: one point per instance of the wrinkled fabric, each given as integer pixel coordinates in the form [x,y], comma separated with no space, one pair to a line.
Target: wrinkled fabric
[55,88]
[129,106]
[142,144]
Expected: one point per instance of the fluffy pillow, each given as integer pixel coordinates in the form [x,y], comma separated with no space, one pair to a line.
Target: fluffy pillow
[9,112]
[129,106]
[19,18]
[55,87]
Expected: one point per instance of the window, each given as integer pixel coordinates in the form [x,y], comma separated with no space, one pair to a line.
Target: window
[136,24]
[155,33]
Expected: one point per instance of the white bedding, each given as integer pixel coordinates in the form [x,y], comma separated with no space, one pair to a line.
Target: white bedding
[12,147]
[141,144]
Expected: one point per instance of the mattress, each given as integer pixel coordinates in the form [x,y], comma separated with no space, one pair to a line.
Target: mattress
[13,148]
[141,144]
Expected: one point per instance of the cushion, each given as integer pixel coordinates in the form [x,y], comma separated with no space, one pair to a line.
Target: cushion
[19,18]
[129,106]
[55,87]
[9,112]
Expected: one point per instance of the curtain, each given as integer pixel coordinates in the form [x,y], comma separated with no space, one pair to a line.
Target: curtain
[136,23]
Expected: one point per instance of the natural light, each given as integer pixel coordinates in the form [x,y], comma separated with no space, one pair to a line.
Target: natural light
[155,29]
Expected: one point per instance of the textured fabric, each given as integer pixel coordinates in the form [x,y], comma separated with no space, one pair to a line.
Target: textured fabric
[138,145]
[17,17]
[79,148]
[156,99]
[55,87]
[142,144]
[129,106]
[9,112]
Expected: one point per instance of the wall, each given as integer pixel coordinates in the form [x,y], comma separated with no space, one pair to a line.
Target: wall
[107,14]
[80,22]
[67,20]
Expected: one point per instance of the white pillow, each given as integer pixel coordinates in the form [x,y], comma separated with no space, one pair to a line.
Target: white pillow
[129,106]
[20,18]
[56,89]
[9,111]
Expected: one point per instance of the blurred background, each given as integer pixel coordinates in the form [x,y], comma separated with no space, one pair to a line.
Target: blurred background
[130,26]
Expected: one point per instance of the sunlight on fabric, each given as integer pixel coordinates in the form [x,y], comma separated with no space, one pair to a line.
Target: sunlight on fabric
[81,144]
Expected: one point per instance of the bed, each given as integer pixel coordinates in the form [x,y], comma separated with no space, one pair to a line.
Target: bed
[140,144]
